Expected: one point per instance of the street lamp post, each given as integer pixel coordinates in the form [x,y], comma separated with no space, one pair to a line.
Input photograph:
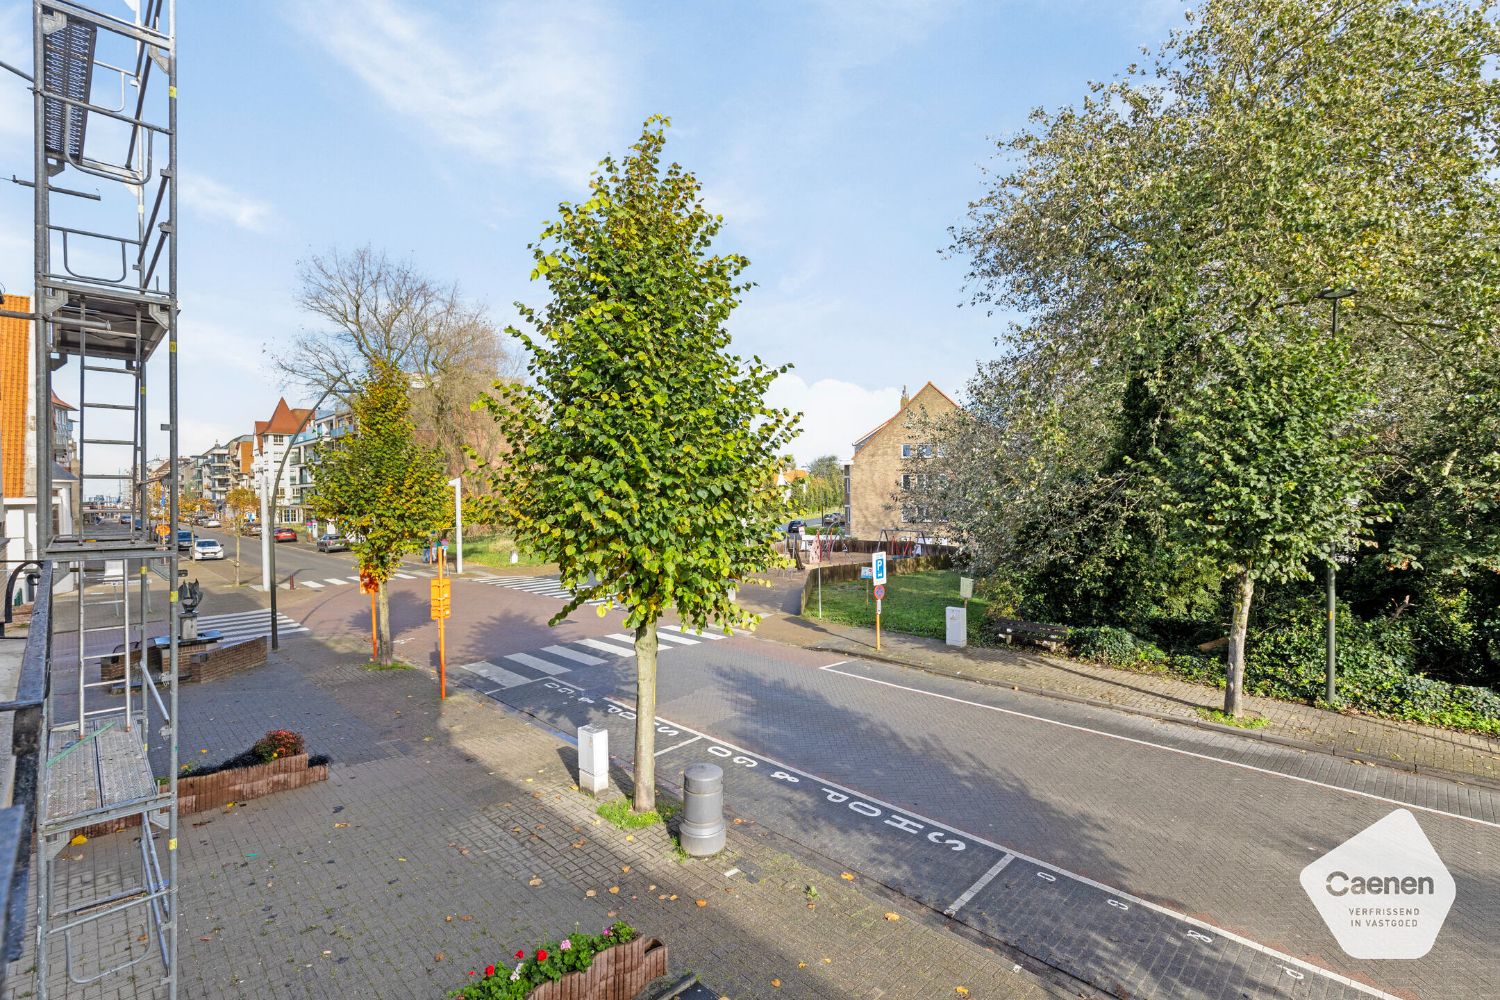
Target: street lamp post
[457,482]
[1330,687]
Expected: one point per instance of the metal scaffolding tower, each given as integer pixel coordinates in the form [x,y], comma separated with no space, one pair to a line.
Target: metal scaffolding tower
[106,299]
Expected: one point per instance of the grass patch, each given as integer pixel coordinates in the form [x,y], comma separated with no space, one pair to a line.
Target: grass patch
[495,550]
[393,665]
[1225,719]
[915,603]
[618,812]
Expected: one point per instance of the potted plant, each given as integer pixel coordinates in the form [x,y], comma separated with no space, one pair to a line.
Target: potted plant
[614,965]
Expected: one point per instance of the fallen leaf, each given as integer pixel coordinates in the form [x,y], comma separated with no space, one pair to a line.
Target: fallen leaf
[448,919]
[625,869]
[630,838]
[812,906]
[847,877]
[592,893]
[801,965]
[673,897]
[400,859]
[438,957]
[702,902]
[892,916]
[960,991]
[614,890]
[341,826]
[776,983]
[535,882]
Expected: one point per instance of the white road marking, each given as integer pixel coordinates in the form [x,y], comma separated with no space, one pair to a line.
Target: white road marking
[537,663]
[315,585]
[1170,749]
[677,746]
[696,635]
[354,579]
[605,647]
[681,640]
[501,676]
[1120,894]
[334,581]
[574,655]
[979,884]
[404,576]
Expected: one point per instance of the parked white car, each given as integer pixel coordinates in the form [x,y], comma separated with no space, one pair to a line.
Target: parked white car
[212,522]
[207,548]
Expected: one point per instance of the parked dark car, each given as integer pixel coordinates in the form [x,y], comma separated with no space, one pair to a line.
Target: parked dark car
[333,543]
[796,527]
[184,540]
[285,535]
[252,528]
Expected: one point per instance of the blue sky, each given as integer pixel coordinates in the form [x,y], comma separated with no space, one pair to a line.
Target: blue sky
[840,140]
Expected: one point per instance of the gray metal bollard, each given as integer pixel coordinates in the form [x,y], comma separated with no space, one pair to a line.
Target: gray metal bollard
[702,829]
[593,759]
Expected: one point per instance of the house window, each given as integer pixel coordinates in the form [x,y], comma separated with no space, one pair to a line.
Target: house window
[906,481]
[906,451]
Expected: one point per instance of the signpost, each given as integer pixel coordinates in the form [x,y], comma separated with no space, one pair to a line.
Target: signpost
[877,575]
[442,610]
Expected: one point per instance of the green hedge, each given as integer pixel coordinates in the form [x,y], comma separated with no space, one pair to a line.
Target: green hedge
[1286,660]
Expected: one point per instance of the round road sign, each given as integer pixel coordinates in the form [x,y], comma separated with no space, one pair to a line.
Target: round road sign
[879,591]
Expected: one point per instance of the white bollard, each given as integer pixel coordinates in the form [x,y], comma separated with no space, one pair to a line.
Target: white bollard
[958,626]
[593,759]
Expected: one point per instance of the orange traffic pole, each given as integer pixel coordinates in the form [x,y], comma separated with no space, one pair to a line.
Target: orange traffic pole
[442,665]
[374,641]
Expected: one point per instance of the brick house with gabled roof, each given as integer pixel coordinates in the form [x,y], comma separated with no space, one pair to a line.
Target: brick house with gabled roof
[883,459]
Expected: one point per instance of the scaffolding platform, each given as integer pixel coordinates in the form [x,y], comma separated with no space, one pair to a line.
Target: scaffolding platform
[102,777]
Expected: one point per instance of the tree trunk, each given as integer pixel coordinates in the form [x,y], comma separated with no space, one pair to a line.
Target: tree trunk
[383,617]
[1234,672]
[645,716]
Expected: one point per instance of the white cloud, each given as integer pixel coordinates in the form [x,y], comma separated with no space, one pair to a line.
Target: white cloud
[218,201]
[531,84]
[834,413]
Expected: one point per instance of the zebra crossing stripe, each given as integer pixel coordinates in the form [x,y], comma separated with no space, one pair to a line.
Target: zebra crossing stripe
[574,655]
[334,581]
[404,576]
[501,676]
[315,585]
[605,647]
[679,639]
[695,635]
[537,663]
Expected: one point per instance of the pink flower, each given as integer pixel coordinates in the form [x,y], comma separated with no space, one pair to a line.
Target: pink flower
[565,944]
[609,929]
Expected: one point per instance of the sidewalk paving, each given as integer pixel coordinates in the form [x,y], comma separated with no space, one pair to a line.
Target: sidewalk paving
[450,835]
[1445,753]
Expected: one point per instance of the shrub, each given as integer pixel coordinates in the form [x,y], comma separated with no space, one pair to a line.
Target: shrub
[278,743]
[546,964]
[1113,646]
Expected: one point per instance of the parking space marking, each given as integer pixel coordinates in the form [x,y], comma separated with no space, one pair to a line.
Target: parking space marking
[678,746]
[979,884]
[1169,749]
[844,792]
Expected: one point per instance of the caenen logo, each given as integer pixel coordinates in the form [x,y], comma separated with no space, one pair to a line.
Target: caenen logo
[1384,893]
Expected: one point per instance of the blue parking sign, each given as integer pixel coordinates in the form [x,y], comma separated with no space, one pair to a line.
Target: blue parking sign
[877,567]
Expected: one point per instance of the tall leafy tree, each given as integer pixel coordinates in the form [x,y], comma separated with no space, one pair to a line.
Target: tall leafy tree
[384,490]
[1166,240]
[643,458]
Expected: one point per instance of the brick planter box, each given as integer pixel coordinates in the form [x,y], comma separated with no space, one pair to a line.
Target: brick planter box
[618,973]
[213,791]
[197,662]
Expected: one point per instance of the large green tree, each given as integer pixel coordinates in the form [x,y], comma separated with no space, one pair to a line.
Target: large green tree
[385,492]
[643,458]
[1166,241]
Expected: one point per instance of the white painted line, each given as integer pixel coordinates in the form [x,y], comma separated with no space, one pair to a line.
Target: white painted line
[681,640]
[979,883]
[499,675]
[1170,749]
[354,579]
[537,663]
[604,647]
[336,582]
[1117,893]
[403,576]
[628,640]
[315,585]
[574,655]
[696,635]
[677,746]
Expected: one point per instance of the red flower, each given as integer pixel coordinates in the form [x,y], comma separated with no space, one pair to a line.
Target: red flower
[489,970]
[520,955]
[541,955]
[471,972]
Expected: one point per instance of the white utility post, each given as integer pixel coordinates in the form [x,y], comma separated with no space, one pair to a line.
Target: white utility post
[265,533]
[458,521]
